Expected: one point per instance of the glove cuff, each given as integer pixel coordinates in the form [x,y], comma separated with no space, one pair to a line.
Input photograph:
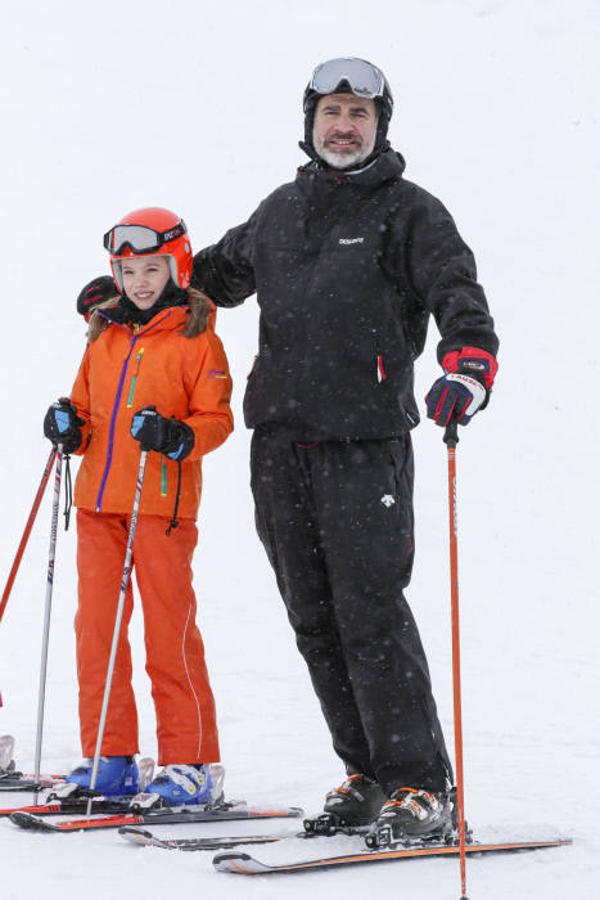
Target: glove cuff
[474,362]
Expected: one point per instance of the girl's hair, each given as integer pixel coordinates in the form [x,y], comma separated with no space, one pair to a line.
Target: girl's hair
[200,309]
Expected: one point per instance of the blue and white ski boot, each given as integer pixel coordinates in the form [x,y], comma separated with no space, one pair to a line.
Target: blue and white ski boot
[117,775]
[184,784]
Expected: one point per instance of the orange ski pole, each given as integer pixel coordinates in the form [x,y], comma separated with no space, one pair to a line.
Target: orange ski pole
[28,526]
[451,440]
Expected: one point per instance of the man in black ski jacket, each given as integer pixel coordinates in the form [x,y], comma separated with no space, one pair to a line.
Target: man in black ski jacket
[348,263]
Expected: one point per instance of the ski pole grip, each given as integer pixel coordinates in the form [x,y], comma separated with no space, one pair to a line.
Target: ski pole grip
[451,433]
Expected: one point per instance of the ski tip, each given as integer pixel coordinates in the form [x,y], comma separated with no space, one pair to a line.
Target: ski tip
[138,836]
[30,822]
[240,864]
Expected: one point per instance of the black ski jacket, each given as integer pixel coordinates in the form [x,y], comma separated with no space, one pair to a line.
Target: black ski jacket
[347,269]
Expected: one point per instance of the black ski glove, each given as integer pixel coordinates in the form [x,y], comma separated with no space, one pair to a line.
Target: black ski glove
[169,436]
[62,425]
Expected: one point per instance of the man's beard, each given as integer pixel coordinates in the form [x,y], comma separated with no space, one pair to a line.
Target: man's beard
[344,160]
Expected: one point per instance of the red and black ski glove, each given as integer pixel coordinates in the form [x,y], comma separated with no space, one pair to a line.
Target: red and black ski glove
[169,436]
[464,389]
[97,291]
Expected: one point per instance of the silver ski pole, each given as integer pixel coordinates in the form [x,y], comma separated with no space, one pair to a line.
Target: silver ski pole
[47,614]
[118,619]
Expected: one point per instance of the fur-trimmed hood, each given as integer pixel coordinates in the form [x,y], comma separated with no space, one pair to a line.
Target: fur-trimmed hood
[201,315]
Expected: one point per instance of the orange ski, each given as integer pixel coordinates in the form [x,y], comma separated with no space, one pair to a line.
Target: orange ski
[243,864]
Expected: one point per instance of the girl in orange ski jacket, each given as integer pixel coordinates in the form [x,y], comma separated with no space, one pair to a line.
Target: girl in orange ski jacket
[154,372]
[130,367]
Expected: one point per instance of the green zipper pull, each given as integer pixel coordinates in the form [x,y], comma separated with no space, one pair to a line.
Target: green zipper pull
[134,378]
[163,478]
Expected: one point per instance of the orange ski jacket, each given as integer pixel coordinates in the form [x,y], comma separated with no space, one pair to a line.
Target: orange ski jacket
[125,369]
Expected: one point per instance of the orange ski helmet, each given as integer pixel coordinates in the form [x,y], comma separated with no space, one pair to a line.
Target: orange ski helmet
[148,232]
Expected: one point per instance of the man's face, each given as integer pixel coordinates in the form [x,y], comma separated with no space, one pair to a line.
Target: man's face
[344,129]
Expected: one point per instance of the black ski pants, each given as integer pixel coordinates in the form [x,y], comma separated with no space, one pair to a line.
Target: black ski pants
[336,520]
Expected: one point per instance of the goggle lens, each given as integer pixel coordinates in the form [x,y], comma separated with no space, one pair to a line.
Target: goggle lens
[139,238]
[365,80]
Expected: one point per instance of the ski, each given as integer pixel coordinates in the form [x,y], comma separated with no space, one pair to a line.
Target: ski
[320,826]
[141,837]
[221,812]
[243,864]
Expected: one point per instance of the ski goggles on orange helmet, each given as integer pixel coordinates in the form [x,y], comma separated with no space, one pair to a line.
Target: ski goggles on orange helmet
[140,238]
[364,79]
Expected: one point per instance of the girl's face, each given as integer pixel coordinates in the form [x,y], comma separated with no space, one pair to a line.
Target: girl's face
[144,279]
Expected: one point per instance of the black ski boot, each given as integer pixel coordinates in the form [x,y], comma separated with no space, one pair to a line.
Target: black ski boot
[356,802]
[412,816]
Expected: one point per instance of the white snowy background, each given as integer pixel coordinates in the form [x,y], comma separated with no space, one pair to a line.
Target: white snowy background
[109,106]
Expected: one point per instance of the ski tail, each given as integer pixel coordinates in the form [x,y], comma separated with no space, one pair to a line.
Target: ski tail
[42,809]
[243,864]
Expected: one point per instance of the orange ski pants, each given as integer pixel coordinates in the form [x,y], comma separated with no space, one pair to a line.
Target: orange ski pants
[183,699]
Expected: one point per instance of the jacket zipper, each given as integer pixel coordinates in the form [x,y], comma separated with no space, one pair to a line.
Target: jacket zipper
[113,422]
[115,410]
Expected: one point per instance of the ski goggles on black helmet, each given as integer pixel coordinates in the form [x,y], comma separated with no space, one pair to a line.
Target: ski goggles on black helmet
[140,238]
[363,78]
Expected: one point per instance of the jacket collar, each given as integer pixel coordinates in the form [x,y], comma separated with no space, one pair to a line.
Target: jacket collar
[165,320]
[315,176]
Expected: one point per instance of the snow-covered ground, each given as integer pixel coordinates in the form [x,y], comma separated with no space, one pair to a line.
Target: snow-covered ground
[111,106]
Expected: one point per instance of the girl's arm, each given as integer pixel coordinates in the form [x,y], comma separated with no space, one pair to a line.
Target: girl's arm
[80,398]
[209,385]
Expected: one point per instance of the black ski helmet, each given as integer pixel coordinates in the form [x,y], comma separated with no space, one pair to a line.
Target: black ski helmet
[349,75]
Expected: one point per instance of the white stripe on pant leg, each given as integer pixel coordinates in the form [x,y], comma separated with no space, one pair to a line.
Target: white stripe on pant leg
[187,672]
